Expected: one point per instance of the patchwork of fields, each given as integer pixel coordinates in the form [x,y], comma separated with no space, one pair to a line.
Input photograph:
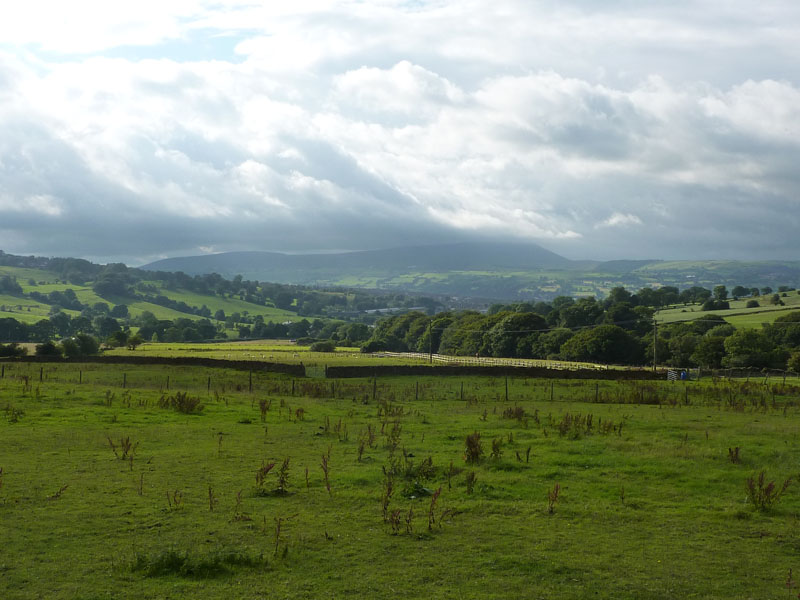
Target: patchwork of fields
[43,282]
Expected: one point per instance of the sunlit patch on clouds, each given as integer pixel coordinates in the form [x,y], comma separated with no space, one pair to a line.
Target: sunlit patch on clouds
[620,220]
[594,130]
[41,204]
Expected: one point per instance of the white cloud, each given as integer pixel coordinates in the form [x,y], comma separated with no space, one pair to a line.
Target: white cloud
[620,220]
[41,204]
[350,124]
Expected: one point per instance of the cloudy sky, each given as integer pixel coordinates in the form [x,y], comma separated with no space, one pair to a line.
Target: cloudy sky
[598,129]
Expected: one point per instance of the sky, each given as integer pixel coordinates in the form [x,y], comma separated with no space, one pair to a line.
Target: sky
[132,131]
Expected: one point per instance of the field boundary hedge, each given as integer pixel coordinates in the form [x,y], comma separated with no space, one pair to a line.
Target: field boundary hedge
[179,361]
[345,372]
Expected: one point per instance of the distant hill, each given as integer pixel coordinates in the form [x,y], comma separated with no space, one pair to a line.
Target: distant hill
[328,268]
[481,271]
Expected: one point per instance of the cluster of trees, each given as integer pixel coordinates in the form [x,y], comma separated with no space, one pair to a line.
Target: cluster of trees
[515,335]
[113,327]
[305,331]
[9,285]
[73,347]
[64,300]
[618,330]
[714,343]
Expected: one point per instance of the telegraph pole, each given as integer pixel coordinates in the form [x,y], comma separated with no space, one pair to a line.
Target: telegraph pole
[655,341]
[430,341]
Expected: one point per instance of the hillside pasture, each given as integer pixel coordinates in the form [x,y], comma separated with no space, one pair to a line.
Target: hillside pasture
[738,314]
[23,310]
[45,283]
[324,488]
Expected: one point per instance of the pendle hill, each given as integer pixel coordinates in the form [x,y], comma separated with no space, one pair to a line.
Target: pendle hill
[507,271]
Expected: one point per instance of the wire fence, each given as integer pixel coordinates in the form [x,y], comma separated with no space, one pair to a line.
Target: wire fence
[487,361]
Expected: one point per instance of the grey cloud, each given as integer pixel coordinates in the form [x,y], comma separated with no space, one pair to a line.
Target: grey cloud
[102,219]
[415,124]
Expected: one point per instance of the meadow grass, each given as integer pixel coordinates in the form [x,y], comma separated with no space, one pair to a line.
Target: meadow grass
[649,505]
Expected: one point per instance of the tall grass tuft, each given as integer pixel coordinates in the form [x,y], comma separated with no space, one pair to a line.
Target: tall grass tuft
[474,449]
[762,495]
[182,402]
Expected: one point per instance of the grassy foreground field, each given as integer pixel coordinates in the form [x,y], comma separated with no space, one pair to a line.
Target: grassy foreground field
[649,504]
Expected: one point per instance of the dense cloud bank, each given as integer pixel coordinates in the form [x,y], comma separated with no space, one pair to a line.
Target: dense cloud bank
[601,131]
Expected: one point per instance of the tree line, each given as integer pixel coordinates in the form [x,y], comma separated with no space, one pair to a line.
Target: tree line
[618,330]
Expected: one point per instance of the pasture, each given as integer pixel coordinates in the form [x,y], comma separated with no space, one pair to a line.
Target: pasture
[738,314]
[184,482]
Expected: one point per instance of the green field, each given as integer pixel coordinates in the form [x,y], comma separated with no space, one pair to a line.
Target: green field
[47,282]
[270,351]
[24,310]
[23,275]
[230,305]
[737,314]
[649,503]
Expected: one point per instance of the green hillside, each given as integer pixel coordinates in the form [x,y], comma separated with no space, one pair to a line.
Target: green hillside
[738,314]
[27,310]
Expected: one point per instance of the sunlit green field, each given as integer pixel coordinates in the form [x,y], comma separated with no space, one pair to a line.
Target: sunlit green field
[583,489]
[284,351]
[272,351]
[24,310]
[23,275]
[45,283]
[738,314]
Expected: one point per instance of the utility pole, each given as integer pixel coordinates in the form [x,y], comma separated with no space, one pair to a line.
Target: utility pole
[655,341]
[430,341]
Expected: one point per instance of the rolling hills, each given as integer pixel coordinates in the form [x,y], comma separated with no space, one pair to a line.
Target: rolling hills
[500,271]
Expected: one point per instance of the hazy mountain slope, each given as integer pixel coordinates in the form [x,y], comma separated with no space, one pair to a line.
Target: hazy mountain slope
[304,268]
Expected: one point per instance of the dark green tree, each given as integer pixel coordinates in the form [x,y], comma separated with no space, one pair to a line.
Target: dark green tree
[604,344]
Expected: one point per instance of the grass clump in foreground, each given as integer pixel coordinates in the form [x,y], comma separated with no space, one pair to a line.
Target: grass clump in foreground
[184,564]
[764,495]
[534,492]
